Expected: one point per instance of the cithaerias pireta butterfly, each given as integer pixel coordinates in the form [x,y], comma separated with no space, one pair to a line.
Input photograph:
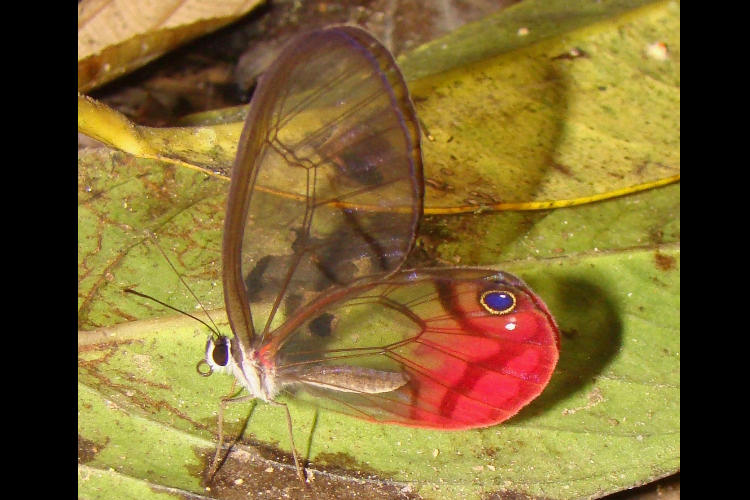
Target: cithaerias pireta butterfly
[325,198]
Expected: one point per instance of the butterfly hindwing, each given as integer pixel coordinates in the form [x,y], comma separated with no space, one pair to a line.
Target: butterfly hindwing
[425,348]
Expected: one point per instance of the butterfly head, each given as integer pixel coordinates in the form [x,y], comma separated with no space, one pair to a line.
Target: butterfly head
[218,356]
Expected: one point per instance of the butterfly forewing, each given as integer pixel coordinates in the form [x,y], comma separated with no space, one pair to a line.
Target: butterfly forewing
[326,188]
[421,349]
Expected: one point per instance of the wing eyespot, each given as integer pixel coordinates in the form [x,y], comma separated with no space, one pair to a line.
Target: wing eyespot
[498,301]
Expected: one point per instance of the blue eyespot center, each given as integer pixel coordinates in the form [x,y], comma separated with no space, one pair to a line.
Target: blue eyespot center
[498,301]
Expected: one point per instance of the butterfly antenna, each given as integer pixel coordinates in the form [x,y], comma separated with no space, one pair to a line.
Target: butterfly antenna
[212,328]
[215,328]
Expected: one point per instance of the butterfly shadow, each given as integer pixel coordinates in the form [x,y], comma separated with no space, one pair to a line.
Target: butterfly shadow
[591,335]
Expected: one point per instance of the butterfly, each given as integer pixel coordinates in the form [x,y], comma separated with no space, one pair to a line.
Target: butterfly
[325,198]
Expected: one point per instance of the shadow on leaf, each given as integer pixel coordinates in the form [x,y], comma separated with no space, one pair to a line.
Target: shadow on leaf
[591,334]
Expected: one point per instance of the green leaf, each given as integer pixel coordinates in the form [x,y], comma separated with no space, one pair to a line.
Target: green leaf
[609,418]
[533,124]
[509,118]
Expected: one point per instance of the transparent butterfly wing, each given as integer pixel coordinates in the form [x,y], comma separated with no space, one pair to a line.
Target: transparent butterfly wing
[461,365]
[327,185]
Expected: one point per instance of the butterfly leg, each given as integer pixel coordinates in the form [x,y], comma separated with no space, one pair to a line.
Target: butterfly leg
[216,462]
[300,470]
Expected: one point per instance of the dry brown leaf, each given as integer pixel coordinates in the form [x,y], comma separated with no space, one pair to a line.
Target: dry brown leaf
[118,36]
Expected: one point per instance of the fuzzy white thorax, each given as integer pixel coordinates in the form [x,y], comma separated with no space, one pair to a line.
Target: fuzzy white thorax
[258,382]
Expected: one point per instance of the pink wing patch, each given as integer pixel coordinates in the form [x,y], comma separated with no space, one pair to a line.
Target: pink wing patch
[470,368]
[467,366]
